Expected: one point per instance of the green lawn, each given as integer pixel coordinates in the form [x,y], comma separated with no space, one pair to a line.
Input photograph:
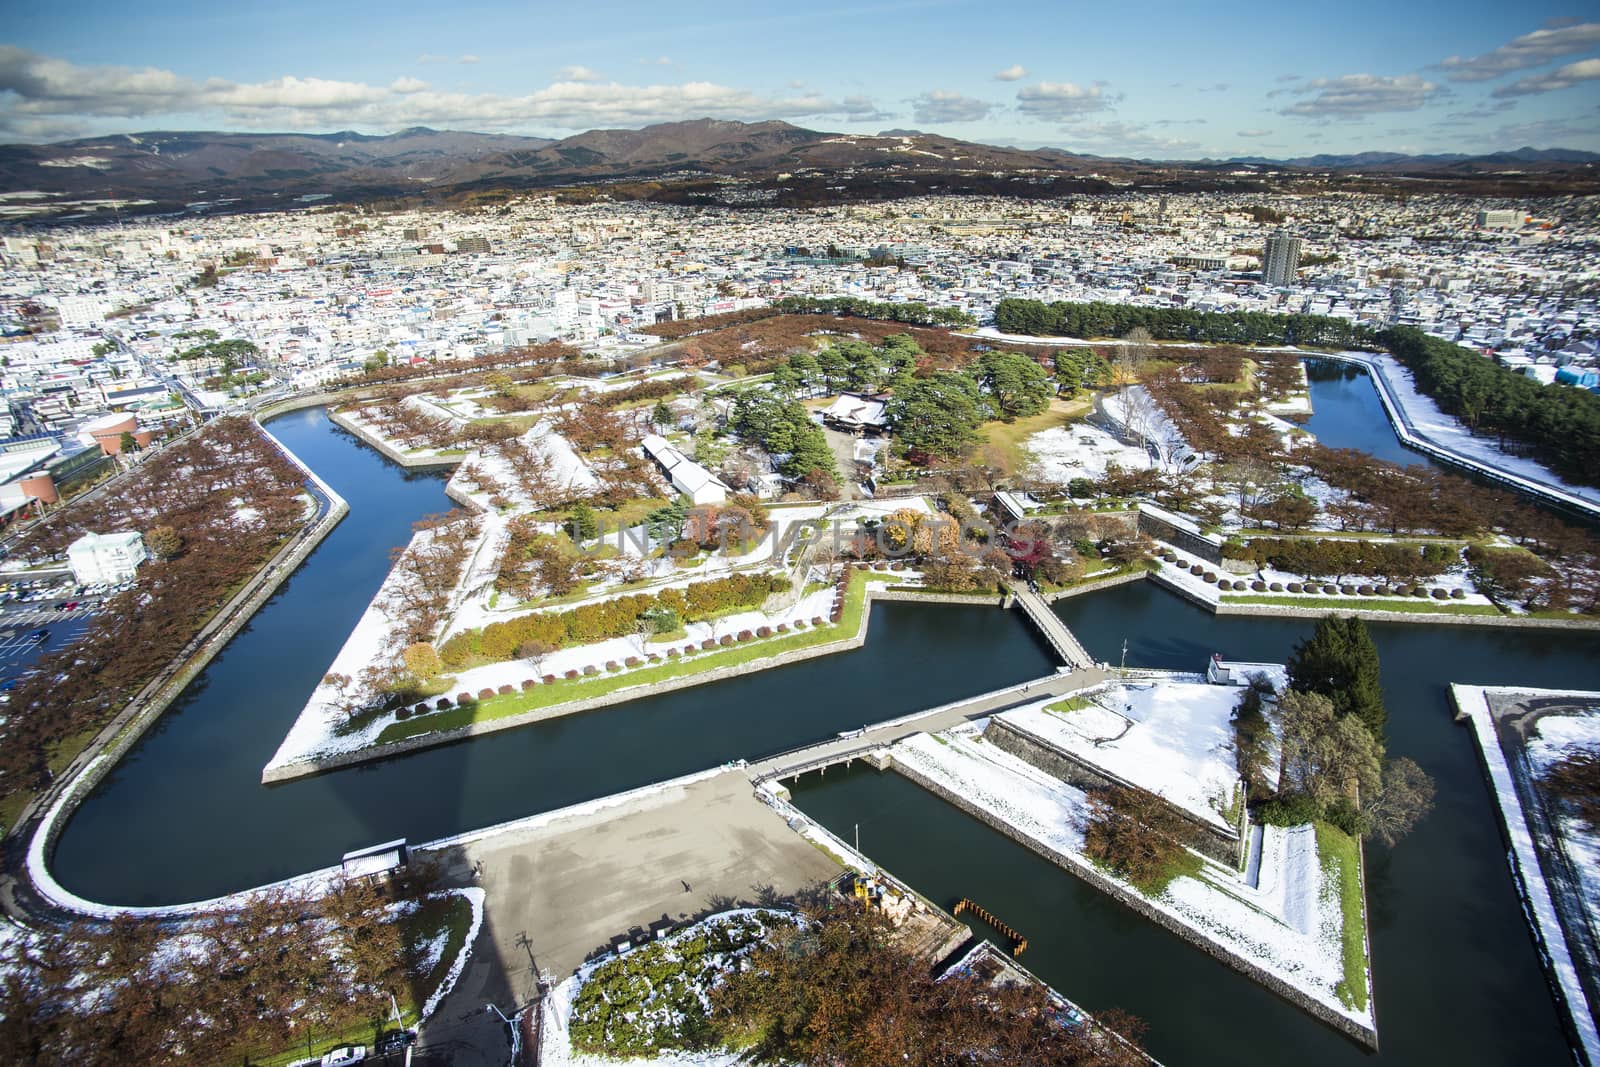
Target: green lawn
[565,691]
[1011,437]
[1341,860]
[1409,607]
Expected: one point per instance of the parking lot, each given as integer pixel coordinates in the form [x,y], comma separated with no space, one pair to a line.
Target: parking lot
[40,618]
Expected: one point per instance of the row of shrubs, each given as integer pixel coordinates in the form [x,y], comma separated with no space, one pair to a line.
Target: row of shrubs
[466,699]
[1336,556]
[1239,585]
[616,617]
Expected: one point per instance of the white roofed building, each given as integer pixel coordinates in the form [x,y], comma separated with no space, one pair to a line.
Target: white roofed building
[106,559]
[851,411]
[687,476]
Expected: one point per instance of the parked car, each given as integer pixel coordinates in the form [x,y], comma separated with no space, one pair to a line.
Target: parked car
[343,1055]
[391,1041]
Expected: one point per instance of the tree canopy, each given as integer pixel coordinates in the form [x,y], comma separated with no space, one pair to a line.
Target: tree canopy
[1340,662]
[939,415]
[1013,385]
[784,428]
[1096,319]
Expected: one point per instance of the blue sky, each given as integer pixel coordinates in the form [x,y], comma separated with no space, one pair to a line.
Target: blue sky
[1158,80]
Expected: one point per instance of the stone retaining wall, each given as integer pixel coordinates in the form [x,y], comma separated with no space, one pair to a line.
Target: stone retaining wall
[390,452]
[304,768]
[912,597]
[1226,848]
[1365,1035]
[1321,611]
[104,756]
[1162,530]
[1095,586]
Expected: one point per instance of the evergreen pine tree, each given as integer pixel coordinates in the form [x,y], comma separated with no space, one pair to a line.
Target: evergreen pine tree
[1340,661]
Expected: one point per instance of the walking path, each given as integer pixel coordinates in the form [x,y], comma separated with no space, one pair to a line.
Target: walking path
[1066,644]
[857,743]
[117,736]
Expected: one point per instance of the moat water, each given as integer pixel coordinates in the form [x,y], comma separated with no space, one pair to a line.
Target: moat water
[183,817]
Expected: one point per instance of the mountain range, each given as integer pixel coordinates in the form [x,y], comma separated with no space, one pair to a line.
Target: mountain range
[172,168]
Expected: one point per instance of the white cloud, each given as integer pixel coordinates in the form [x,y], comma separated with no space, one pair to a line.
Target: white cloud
[1128,139]
[1548,133]
[1566,77]
[862,109]
[1013,73]
[941,106]
[1362,94]
[1529,50]
[34,87]
[578,74]
[470,59]
[1255,133]
[1057,101]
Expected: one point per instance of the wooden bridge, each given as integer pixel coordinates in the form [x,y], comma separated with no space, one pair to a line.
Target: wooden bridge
[1065,643]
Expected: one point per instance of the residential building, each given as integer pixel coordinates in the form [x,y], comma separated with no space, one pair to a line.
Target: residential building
[1280,259]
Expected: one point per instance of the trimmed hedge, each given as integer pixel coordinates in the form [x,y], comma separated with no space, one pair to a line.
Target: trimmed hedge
[616,617]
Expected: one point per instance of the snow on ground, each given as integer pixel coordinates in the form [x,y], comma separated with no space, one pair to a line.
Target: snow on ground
[1554,738]
[1134,408]
[322,727]
[566,469]
[1288,924]
[1027,339]
[424,404]
[430,953]
[1081,450]
[555,1047]
[1177,574]
[1045,808]
[618,649]
[373,432]
[475,896]
[1433,426]
[1174,739]
[1473,703]
[317,729]
[1297,402]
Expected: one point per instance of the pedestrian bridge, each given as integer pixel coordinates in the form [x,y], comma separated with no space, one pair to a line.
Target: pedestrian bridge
[859,744]
[1065,643]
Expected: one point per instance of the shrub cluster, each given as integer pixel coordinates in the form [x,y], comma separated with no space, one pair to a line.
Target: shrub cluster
[1339,557]
[604,619]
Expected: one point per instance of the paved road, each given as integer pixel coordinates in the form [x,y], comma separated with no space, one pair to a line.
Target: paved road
[844,455]
[559,891]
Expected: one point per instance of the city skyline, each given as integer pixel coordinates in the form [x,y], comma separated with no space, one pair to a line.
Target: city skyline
[1224,81]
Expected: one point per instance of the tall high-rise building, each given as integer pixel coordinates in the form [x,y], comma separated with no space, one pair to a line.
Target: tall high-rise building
[1280,259]
[1502,219]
